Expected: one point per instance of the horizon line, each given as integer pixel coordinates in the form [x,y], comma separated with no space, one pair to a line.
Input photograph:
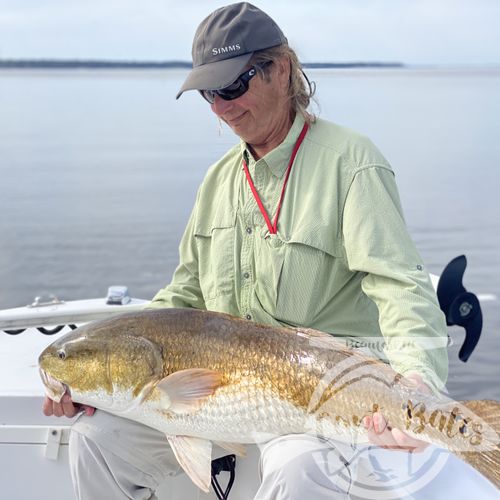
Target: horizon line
[73,62]
[90,63]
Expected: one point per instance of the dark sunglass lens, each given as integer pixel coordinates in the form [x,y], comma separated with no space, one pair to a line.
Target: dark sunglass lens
[238,87]
[234,90]
[234,87]
[230,94]
[208,95]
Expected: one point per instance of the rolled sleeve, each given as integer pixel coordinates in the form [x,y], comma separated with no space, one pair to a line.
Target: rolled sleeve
[378,244]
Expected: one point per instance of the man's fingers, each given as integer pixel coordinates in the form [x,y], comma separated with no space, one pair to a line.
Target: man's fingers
[89,410]
[374,436]
[57,409]
[68,408]
[382,435]
[47,407]
[368,422]
[65,408]
[379,423]
[409,442]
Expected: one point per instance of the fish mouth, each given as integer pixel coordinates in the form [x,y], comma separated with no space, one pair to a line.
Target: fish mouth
[54,388]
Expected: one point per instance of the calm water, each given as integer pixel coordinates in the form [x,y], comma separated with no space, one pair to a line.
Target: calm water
[99,170]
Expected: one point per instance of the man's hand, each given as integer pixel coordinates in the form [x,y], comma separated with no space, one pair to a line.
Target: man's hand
[381,434]
[65,408]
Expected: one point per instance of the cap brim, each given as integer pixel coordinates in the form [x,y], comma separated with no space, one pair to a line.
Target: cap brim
[216,75]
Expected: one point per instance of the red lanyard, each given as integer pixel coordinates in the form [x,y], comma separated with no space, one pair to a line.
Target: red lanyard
[274,226]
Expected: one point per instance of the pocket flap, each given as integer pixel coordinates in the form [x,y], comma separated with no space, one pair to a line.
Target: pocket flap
[219,219]
[323,239]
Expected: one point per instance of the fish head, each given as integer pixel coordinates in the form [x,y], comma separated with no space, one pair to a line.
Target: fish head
[101,366]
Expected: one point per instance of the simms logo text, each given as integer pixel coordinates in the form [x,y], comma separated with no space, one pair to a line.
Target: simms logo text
[222,50]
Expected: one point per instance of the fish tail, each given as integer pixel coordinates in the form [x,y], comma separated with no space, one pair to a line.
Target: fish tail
[486,462]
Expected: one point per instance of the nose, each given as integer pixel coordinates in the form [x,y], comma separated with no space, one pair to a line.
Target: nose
[221,106]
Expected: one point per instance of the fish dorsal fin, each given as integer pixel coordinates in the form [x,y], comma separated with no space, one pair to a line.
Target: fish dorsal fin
[195,457]
[237,448]
[185,390]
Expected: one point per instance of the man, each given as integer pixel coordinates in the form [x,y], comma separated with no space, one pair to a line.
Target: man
[299,224]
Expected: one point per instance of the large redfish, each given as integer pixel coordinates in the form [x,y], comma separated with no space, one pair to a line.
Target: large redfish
[203,377]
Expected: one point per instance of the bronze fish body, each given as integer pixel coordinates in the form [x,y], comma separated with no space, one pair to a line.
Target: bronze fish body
[203,377]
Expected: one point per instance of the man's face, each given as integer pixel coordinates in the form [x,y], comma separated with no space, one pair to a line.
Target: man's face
[260,113]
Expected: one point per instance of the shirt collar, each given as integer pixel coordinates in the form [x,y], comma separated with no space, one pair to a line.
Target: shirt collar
[277,159]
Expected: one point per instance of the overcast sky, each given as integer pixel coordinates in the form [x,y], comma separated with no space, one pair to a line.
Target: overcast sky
[409,31]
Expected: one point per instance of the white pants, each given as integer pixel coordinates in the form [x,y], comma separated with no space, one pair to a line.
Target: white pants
[117,459]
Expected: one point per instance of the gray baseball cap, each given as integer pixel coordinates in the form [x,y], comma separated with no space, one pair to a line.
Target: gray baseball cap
[225,42]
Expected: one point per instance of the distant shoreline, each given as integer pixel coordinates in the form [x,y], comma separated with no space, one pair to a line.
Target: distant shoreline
[95,64]
[102,65]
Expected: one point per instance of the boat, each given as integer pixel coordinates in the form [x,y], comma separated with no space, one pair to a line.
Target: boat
[29,441]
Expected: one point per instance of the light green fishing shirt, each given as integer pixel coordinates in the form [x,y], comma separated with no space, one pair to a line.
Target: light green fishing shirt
[342,260]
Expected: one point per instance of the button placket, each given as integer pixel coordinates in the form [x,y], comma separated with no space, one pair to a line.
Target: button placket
[245,260]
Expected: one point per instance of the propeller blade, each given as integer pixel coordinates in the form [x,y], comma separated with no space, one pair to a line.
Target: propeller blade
[450,282]
[472,335]
[460,307]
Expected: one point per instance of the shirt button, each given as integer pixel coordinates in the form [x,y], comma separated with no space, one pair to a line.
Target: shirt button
[249,230]
[246,275]
[248,317]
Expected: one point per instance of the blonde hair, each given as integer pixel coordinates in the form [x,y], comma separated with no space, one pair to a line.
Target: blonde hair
[300,89]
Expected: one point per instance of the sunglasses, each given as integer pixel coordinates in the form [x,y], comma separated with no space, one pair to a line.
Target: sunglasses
[235,89]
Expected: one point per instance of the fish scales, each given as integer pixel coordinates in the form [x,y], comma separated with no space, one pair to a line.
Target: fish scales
[239,349]
[204,375]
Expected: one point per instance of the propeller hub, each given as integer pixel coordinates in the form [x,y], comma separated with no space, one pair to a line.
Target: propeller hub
[464,308]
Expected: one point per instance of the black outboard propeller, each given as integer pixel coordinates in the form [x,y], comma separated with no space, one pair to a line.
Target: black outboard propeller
[460,307]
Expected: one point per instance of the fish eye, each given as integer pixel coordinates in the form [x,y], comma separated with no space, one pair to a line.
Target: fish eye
[61,354]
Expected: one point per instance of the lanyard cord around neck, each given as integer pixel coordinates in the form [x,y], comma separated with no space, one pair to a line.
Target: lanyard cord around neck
[273,228]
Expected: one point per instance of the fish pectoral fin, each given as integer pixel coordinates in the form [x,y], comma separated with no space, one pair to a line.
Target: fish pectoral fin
[185,391]
[195,457]
[237,448]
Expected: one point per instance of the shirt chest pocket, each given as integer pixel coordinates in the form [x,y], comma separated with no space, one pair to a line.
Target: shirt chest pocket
[215,240]
[301,277]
